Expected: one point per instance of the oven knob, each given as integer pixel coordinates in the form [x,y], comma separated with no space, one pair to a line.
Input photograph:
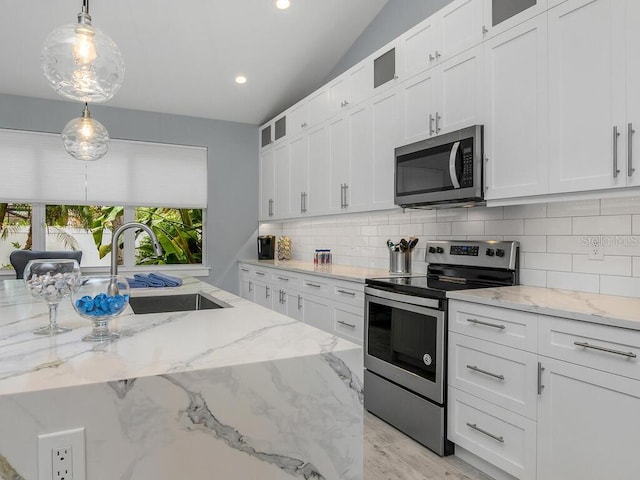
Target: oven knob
[432,250]
[499,252]
[489,252]
[439,250]
[426,358]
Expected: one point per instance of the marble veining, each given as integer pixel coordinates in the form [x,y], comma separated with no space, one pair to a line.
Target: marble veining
[7,471]
[346,375]
[609,310]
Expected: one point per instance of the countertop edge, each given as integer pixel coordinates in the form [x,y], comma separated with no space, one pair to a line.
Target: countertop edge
[308,269]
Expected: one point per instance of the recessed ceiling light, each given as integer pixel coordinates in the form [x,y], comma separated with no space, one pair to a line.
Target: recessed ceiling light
[241,79]
[282,4]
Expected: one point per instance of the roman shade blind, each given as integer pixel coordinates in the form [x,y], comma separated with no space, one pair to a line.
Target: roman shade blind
[35,168]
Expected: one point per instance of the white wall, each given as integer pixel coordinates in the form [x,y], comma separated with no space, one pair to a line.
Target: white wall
[554,239]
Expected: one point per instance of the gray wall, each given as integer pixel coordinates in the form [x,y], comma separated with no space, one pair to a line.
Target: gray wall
[232,216]
[395,18]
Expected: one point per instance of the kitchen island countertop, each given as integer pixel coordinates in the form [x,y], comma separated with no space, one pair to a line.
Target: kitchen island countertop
[610,310]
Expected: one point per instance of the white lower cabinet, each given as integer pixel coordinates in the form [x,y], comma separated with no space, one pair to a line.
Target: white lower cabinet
[335,306]
[557,399]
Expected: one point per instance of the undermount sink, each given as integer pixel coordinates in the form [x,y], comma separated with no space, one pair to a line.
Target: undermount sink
[175,303]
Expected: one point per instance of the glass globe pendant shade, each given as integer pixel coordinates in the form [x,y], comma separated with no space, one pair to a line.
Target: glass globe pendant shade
[85,138]
[81,62]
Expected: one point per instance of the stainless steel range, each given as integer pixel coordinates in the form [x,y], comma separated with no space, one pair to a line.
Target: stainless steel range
[406,334]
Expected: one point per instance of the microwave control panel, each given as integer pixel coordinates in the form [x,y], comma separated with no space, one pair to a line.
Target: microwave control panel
[467,167]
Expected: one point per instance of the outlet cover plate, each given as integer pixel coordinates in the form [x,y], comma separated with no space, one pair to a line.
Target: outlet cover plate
[50,442]
[596,251]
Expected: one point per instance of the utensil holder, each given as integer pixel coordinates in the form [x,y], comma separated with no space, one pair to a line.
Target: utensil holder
[400,262]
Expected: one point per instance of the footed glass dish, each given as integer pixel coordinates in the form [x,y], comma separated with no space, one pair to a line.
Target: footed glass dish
[99,299]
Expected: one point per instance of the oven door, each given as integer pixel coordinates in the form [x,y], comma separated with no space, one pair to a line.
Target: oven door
[404,341]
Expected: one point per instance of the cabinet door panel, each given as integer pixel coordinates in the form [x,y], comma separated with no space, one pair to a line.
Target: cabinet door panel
[267,185]
[633,89]
[420,105]
[348,322]
[281,183]
[318,108]
[461,26]
[319,177]
[299,162]
[516,111]
[316,312]
[586,92]
[460,91]
[587,424]
[387,113]
[339,155]
[359,192]
[263,294]
[419,46]
[501,15]
[297,118]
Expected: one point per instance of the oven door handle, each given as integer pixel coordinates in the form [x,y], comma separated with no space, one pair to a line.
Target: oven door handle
[452,165]
[399,297]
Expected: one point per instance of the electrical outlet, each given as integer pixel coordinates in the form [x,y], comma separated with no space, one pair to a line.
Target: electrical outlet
[595,251]
[61,455]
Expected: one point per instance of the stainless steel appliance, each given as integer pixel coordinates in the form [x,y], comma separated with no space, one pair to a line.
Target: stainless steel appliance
[441,171]
[406,334]
[266,247]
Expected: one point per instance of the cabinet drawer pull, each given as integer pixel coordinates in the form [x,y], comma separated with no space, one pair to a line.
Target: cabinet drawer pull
[266,292]
[314,285]
[260,273]
[244,269]
[604,349]
[616,134]
[250,289]
[431,124]
[495,437]
[299,302]
[346,324]
[283,278]
[353,294]
[479,370]
[540,385]
[487,324]
[630,132]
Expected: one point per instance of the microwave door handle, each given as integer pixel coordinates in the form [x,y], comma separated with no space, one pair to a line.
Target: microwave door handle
[452,165]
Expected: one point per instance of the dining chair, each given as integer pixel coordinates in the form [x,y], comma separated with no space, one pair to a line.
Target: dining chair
[20,258]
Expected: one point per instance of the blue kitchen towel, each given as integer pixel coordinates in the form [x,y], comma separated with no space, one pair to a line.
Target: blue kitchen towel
[133,283]
[152,282]
[168,280]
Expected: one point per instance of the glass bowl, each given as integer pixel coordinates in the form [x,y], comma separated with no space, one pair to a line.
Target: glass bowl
[51,280]
[98,299]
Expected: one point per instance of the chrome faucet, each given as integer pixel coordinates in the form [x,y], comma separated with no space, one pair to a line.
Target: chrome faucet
[116,235]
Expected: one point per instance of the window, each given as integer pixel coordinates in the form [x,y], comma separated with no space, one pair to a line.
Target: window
[15,230]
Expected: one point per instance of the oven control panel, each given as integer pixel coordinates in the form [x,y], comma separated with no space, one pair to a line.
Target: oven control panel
[489,253]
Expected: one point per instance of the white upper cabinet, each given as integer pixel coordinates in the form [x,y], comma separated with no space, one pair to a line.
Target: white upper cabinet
[319,173]
[267,185]
[387,135]
[299,162]
[281,202]
[351,88]
[515,133]
[501,15]
[631,133]
[359,189]
[318,106]
[297,118]
[419,47]
[587,95]
[419,96]
[460,26]
[339,161]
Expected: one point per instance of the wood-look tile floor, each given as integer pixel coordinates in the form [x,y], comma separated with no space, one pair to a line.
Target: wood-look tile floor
[391,455]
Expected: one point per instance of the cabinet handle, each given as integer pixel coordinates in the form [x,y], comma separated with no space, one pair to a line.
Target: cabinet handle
[314,285]
[346,102]
[301,202]
[271,207]
[250,289]
[479,370]
[431,58]
[305,202]
[604,349]
[438,54]
[260,273]
[487,324]
[353,294]
[430,124]
[284,279]
[244,269]
[540,385]
[484,30]
[266,292]
[616,134]
[438,118]
[495,437]
[299,302]
[346,324]
[346,202]
[630,132]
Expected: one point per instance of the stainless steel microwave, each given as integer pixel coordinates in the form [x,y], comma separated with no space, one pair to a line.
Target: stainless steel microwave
[441,171]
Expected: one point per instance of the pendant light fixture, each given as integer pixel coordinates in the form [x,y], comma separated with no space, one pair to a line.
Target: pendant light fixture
[82,63]
[85,138]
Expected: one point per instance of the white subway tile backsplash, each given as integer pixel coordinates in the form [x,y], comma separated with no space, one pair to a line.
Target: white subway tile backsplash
[436,228]
[619,206]
[602,225]
[607,266]
[452,215]
[534,210]
[566,244]
[623,286]
[485,213]
[504,227]
[582,282]
[579,208]
[636,266]
[533,278]
[547,226]
[467,228]
[422,216]
[531,243]
[546,261]
[636,225]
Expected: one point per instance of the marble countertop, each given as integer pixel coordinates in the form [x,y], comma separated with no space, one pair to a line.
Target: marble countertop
[341,272]
[150,344]
[589,307]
